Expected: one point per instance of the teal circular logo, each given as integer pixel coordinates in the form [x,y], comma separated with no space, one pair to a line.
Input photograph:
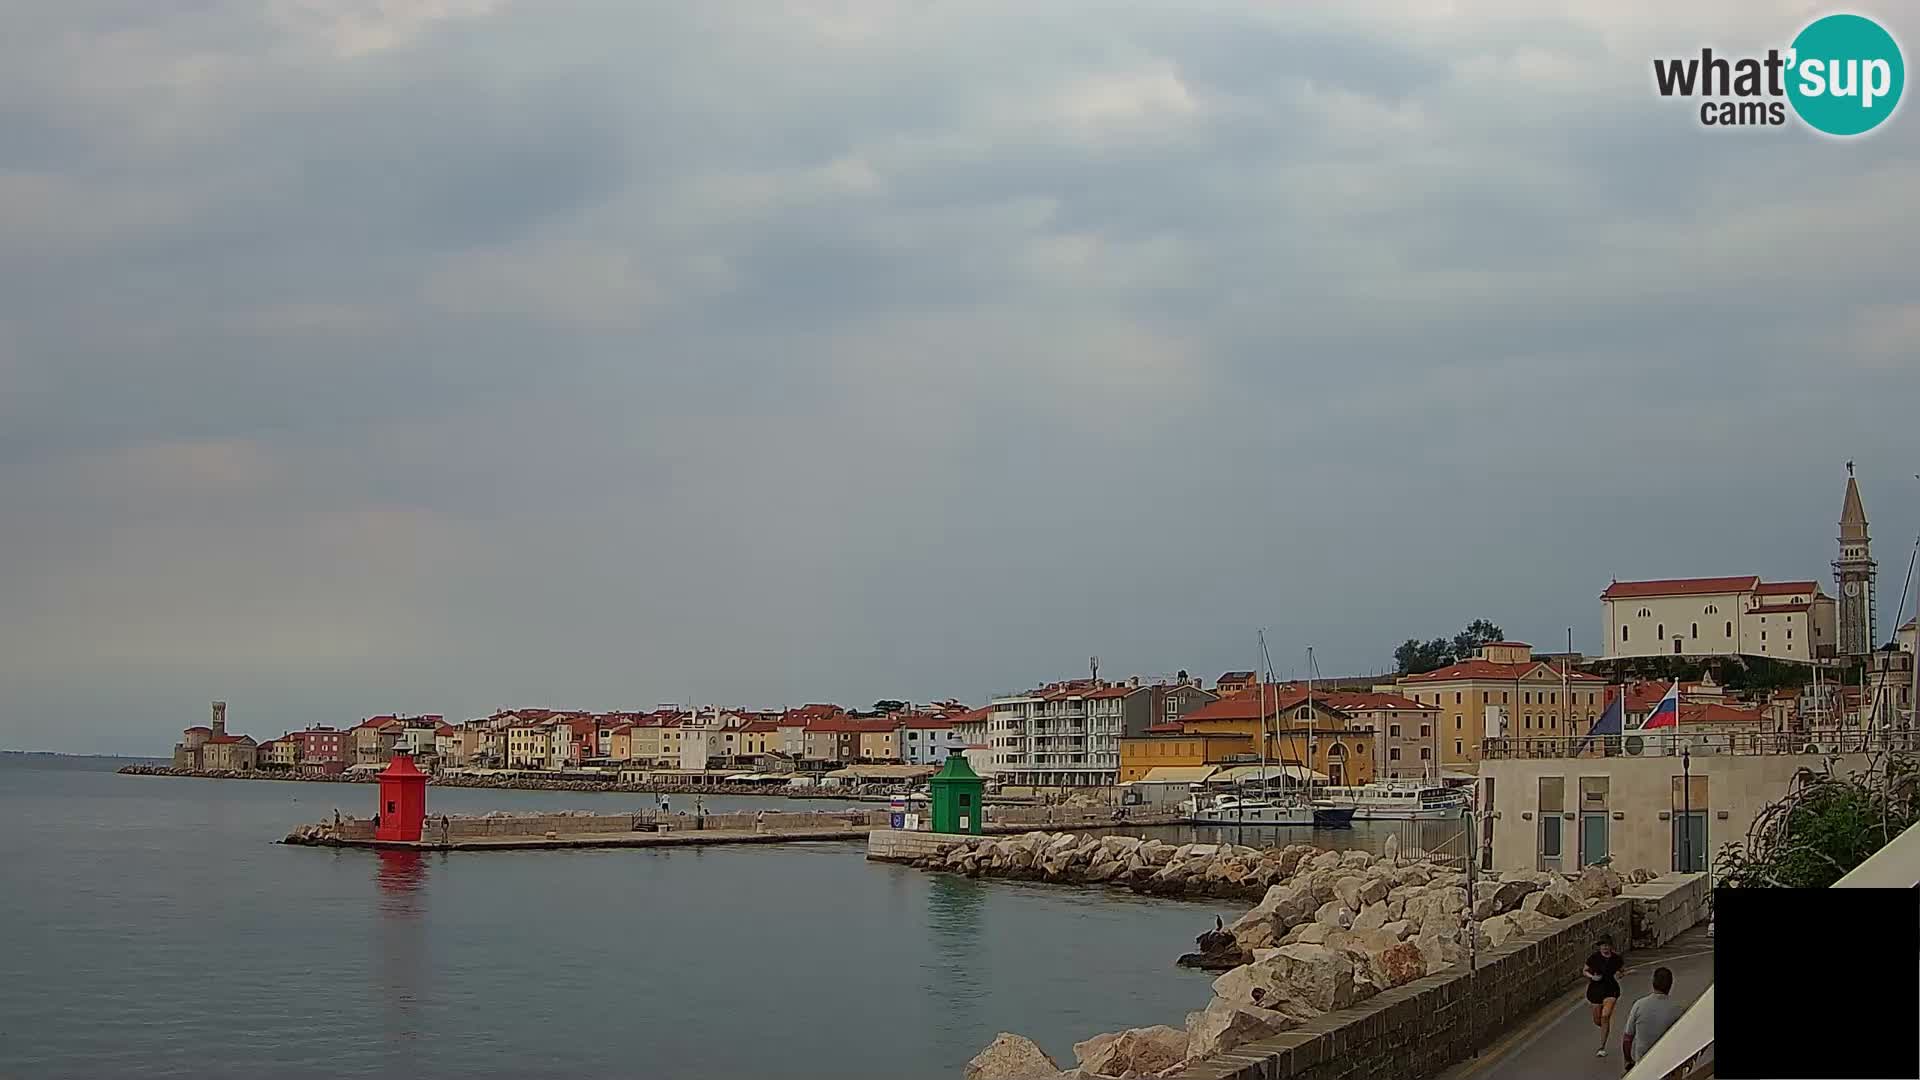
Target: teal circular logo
[1845,75]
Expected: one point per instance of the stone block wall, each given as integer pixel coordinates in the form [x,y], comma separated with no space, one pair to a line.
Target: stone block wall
[1666,907]
[1418,1030]
[899,845]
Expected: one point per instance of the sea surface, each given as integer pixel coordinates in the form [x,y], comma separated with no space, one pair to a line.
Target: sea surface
[152,928]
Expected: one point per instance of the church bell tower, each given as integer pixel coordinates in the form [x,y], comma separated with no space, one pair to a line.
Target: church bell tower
[1854,573]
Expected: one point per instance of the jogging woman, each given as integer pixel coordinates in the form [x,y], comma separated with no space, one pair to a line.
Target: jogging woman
[1603,988]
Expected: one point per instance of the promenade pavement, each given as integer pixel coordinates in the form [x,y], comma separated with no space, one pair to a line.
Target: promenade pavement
[1559,1040]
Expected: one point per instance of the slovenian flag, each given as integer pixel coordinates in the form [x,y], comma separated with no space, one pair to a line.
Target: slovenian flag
[1667,713]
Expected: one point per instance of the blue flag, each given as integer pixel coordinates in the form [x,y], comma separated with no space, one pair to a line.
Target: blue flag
[1611,722]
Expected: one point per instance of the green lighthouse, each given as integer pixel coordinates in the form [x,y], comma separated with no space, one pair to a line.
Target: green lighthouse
[957,793]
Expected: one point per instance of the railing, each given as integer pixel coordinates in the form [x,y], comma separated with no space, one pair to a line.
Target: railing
[1701,744]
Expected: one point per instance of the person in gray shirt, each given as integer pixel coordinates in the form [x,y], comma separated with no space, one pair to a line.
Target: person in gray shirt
[1650,1018]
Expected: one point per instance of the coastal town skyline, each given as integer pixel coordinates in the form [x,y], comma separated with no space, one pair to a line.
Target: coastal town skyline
[1594,643]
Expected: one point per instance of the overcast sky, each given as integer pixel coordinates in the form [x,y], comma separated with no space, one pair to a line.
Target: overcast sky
[441,355]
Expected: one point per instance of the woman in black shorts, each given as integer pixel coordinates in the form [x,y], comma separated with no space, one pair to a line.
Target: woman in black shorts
[1603,988]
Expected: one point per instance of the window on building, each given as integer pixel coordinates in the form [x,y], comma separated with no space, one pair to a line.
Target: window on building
[1645,614]
[1456,748]
[1711,609]
[1456,697]
[1763,635]
[1789,633]
[1393,730]
[1551,805]
[1526,698]
[1393,754]
[1696,629]
[1503,697]
[1456,723]
[1660,630]
[1623,633]
[1729,630]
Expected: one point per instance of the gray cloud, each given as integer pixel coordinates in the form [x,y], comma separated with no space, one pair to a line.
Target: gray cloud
[459,354]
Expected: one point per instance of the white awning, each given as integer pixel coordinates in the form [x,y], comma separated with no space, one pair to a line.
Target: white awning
[1174,774]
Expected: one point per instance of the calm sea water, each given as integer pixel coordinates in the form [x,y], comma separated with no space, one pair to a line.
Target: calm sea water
[151,928]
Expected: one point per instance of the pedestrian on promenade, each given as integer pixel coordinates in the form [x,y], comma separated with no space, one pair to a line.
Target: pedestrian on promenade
[1649,1018]
[1603,988]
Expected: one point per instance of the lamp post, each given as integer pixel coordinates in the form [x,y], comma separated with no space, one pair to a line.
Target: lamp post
[1686,810]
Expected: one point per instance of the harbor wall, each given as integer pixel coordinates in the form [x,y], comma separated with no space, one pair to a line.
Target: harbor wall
[1667,907]
[1420,1029]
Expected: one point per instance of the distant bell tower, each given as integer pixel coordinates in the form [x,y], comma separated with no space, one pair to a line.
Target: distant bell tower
[219,718]
[1854,573]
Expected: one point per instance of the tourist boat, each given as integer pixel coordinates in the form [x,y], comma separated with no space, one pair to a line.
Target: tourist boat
[1396,801]
[1230,809]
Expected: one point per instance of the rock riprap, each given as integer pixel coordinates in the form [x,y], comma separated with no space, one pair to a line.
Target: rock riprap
[1328,930]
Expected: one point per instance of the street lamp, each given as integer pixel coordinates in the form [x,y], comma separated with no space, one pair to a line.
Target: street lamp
[1686,810]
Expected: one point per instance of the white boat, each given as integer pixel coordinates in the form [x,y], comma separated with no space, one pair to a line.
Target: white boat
[1388,800]
[1248,810]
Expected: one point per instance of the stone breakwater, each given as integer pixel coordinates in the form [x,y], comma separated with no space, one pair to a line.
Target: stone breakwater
[1330,929]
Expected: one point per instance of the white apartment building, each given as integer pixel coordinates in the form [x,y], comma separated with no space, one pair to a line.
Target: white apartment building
[1066,734]
[1723,616]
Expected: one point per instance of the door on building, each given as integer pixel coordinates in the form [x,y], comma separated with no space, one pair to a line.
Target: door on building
[1690,841]
[1594,839]
[1690,825]
[1676,646]
[1552,843]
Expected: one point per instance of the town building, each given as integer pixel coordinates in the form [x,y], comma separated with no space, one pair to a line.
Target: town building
[1300,728]
[1856,575]
[450,747]
[1234,682]
[374,739]
[1653,809]
[281,754]
[879,739]
[759,739]
[529,743]
[1168,753]
[1502,691]
[1406,733]
[929,740]
[204,748]
[322,749]
[1066,734]
[1722,616]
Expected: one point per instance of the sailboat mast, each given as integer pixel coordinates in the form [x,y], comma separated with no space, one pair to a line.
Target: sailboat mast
[1312,669]
[1260,680]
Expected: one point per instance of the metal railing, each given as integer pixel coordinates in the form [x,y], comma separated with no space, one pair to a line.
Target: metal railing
[1701,743]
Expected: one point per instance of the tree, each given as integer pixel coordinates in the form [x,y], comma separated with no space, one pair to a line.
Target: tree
[888,706]
[1825,826]
[1414,657]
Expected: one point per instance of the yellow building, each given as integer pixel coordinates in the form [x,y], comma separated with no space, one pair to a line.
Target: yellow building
[529,745]
[760,738]
[1299,728]
[1164,746]
[281,753]
[880,745]
[620,743]
[1503,692]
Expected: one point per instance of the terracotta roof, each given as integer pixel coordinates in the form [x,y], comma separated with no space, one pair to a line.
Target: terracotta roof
[762,726]
[223,740]
[1166,727]
[1620,590]
[1773,609]
[972,715]
[1235,676]
[1781,588]
[1487,669]
[1245,705]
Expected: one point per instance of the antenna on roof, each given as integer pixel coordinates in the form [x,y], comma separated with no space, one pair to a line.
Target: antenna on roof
[1093,663]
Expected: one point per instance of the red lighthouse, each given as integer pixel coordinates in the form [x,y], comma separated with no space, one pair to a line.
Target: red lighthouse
[403,800]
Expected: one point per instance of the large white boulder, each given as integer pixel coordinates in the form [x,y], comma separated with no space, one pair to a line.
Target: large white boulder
[1012,1057]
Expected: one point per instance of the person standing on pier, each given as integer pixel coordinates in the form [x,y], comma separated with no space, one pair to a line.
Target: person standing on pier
[1603,988]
